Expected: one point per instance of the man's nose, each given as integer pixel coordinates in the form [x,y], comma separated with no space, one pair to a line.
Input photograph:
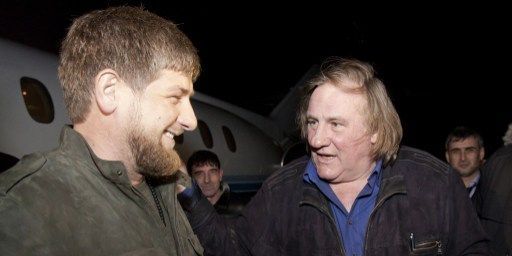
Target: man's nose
[187,118]
[320,137]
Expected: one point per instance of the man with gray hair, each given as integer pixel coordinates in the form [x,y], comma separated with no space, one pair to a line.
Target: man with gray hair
[507,139]
[358,192]
[109,188]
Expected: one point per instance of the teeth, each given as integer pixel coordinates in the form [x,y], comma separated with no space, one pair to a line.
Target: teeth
[170,134]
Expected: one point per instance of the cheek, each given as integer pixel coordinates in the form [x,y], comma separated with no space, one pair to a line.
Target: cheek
[340,143]
[310,134]
[215,178]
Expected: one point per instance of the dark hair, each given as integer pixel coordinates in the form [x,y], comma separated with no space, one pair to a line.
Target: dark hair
[462,133]
[202,158]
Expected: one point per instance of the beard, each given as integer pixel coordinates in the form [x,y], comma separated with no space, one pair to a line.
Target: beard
[151,158]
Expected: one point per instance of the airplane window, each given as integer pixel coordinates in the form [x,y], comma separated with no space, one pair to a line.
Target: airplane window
[206,135]
[179,139]
[230,139]
[37,99]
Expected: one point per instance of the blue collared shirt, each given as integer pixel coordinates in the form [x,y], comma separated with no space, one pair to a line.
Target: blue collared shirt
[351,225]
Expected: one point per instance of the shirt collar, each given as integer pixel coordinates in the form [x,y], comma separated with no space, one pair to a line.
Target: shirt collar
[475,180]
[311,175]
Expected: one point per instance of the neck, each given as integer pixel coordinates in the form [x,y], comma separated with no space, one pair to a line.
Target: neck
[213,199]
[347,191]
[106,144]
[468,179]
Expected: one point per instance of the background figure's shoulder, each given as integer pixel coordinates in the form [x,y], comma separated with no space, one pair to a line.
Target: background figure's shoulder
[499,165]
[420,160]
[26,167]
[504,152]
[288,173]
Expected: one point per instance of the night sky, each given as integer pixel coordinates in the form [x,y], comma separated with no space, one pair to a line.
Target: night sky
[443,65]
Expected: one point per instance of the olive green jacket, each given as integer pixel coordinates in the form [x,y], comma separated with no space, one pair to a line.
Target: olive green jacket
[70,202]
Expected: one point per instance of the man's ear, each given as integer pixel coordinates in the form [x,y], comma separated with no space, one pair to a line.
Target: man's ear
[105,85]
[374,137]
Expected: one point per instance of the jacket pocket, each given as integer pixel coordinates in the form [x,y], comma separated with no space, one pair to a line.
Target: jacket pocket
[425,248]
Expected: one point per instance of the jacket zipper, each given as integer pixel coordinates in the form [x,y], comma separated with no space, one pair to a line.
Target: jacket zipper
[439,248]
[379,203]
[157,202]
[333,224]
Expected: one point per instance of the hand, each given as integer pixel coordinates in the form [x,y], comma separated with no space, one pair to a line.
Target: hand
[184,180]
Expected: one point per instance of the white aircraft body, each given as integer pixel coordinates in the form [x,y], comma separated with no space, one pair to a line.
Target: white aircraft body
[32,114]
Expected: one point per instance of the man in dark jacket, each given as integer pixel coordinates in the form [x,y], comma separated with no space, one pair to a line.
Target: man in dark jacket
[127,77]
[494,198]
[353,195]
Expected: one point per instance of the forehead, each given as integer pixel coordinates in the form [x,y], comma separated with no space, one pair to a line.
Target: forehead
[169,80]
[204,167]
[464,143]
[337,100]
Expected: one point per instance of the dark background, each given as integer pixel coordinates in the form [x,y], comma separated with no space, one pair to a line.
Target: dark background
[444,65]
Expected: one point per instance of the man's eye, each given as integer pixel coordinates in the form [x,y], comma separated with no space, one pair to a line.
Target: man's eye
[174,100]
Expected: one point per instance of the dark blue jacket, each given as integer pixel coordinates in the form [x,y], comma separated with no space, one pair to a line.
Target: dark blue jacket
[419,195]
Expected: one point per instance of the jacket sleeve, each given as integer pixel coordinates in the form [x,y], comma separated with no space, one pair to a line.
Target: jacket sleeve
[22,232]
[467,236]
[227,236]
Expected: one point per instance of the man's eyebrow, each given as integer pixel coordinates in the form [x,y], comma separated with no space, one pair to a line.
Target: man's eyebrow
[186,91]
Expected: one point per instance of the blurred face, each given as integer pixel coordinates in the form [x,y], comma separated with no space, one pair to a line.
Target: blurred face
[160,113]
[465,156]
[208,177]
[337,134]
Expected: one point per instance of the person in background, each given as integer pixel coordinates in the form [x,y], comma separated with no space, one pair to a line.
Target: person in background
[109,188]
[465,152]
[204,167]
[357,193]
[493,197]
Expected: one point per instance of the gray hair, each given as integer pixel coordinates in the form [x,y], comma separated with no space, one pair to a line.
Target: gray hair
[507,139]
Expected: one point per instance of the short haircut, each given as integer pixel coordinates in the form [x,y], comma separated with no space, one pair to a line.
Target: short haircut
[202,158]
[381,116]
[461,133]
[135,43]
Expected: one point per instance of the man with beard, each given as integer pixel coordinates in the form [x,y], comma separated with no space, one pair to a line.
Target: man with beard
[109,188]
[465,153]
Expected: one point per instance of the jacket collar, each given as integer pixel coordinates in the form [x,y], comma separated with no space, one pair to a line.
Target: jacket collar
[74,145]
[391,184]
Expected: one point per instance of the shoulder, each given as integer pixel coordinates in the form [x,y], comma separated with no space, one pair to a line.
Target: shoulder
[502,156]
[27,167]
[499,166]
[412,158]
[289,173]
[417,164]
